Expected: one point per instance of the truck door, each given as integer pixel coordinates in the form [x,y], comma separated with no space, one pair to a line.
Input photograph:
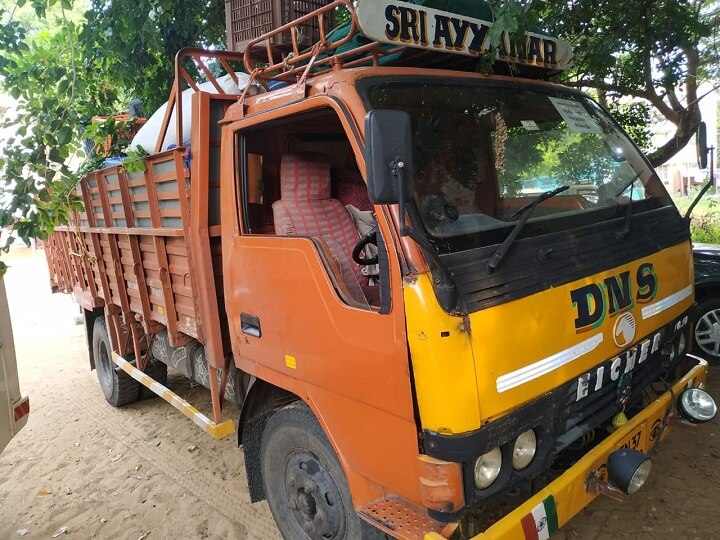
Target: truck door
[302,314]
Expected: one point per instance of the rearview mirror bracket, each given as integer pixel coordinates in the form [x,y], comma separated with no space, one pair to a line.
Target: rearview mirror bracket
[703,151]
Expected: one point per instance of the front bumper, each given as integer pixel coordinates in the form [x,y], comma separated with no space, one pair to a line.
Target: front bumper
[569,489]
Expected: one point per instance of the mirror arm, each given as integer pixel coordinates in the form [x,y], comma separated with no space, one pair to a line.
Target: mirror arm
[445,288]
[710,183]
[398,170]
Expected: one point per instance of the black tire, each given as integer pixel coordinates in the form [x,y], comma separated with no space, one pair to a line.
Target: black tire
[158,371]
[117,386]
[706,335]
[304,483]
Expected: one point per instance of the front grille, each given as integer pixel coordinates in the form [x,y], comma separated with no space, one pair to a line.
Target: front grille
[559,417]
[575,418]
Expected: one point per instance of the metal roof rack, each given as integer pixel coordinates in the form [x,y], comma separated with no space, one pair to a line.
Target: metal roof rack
[367,43]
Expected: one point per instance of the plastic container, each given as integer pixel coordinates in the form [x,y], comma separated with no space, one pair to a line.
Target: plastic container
[249,19]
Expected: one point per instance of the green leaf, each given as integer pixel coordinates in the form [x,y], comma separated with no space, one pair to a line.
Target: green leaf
[64,135]
[63,86]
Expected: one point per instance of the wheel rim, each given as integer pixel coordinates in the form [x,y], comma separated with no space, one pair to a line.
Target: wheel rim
[707,332]
[313,497]
[105,364]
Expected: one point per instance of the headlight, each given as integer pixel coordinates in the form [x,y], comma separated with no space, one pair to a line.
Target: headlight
[628,469]
[697,405]
[524,450]
[487,468]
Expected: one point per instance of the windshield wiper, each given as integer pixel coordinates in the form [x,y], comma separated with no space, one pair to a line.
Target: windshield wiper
[628,184]
[529,208]
[625,231]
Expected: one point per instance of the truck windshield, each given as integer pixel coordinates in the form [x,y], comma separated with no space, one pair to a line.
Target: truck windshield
[484,151]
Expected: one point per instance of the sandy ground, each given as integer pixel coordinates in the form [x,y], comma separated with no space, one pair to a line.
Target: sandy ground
[145,472]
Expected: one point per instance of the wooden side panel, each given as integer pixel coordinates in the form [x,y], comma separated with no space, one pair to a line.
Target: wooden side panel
[143,251]
[128,249]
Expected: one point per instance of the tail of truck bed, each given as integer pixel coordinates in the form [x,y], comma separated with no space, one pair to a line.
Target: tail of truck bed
[146,249]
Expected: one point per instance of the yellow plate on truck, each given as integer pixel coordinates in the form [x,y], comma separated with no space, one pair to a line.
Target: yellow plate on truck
[637,440]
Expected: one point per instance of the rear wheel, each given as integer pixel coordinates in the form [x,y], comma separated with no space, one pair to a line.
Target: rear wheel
[117,386]
[706,336]
[303,480]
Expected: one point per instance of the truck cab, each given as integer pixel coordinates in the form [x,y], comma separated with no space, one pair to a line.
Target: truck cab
[490,368]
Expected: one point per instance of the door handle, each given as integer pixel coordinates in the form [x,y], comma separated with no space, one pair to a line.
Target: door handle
[250,325]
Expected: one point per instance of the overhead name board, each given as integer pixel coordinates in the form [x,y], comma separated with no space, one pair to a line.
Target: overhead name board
[413,25]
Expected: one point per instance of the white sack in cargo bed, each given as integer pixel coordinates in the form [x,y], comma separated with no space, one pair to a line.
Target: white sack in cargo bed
[147,135]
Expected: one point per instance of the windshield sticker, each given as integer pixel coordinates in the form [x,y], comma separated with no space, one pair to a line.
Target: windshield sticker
[575,116]
[529,125]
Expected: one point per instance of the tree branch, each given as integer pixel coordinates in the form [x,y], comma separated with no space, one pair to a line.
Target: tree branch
[672,98]
[676,143]
[655,100]
[693,61]
[706,94]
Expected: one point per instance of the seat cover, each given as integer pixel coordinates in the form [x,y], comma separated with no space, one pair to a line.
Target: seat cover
[306,208]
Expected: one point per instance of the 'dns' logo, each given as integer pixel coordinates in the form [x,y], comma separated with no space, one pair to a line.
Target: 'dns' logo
[613,296]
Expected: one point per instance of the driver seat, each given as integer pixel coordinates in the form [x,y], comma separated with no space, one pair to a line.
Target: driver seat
[306,208]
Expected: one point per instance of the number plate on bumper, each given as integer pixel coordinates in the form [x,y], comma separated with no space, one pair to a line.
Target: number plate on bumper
[636,440]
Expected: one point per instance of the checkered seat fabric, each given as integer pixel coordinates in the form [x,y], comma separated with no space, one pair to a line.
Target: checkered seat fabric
[306,208]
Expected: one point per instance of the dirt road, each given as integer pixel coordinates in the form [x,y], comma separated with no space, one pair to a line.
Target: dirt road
[144,471]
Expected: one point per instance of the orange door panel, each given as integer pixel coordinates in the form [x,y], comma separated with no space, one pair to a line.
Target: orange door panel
[349,364]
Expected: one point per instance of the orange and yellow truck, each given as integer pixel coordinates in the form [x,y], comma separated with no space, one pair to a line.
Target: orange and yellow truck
[448,304]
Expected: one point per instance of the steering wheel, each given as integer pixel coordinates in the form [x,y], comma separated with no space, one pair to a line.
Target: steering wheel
[369,238]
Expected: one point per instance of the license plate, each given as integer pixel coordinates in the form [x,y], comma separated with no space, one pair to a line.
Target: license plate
[636,440]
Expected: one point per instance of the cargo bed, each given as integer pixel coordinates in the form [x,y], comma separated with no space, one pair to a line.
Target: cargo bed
[146,250]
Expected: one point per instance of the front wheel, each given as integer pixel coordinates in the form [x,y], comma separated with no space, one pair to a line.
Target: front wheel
[706,336]
[304,483]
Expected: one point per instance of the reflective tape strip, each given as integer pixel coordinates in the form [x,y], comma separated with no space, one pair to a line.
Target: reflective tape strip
[545,366]
[666,303]
[216,431]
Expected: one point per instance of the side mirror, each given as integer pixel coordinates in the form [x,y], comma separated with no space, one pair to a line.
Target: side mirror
[388,156]
[702,147]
